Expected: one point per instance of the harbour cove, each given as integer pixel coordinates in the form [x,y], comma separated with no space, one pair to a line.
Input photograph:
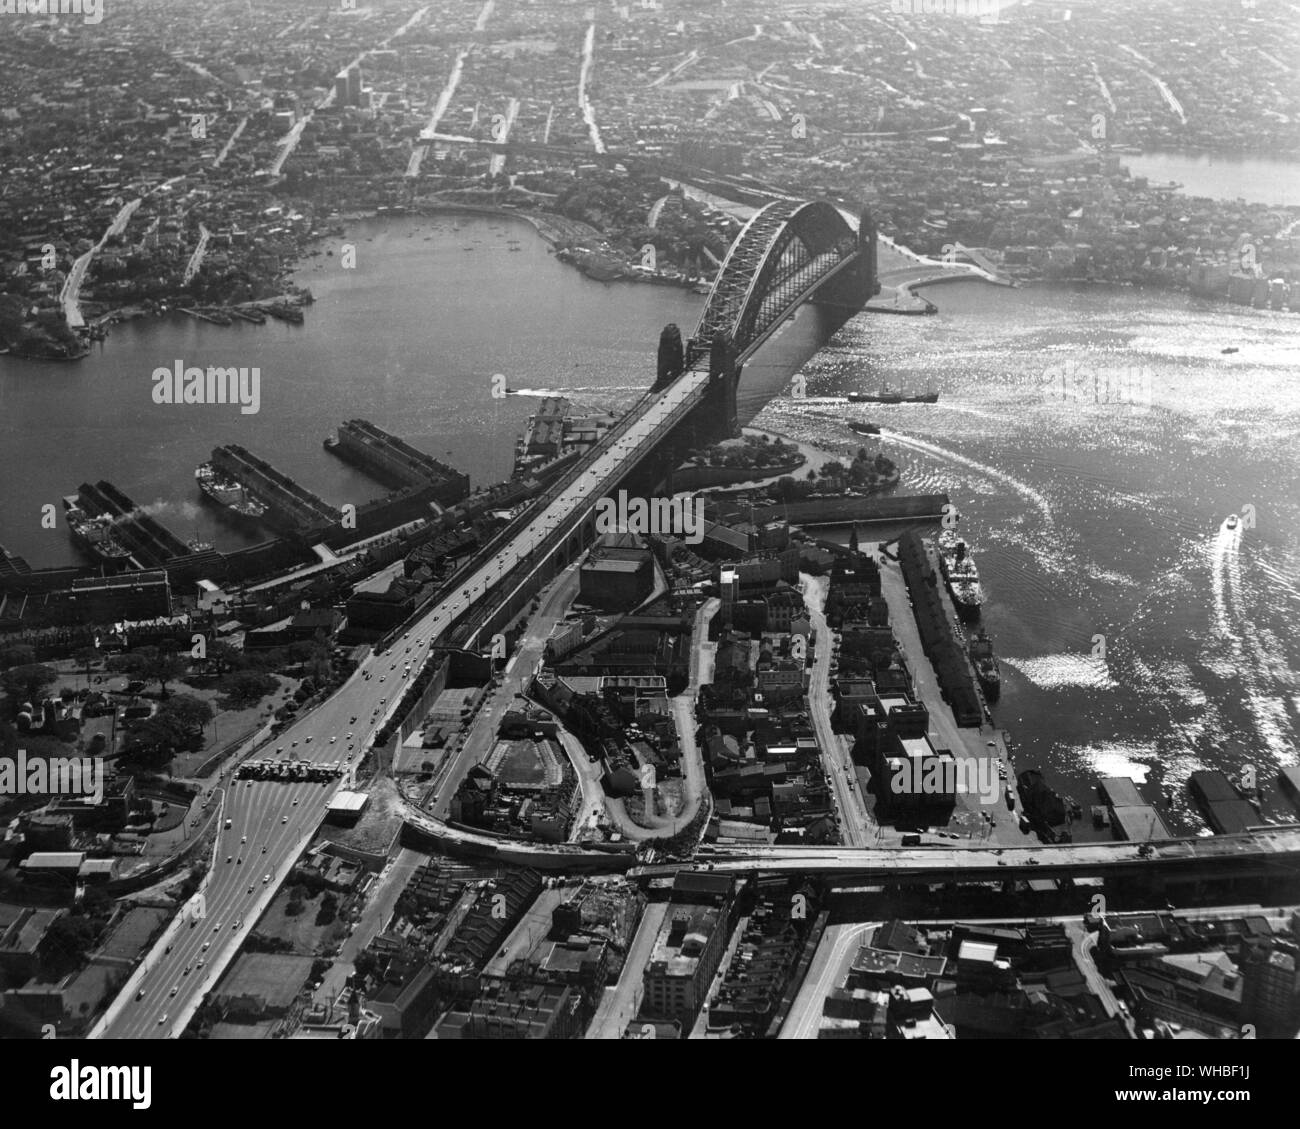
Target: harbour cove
[1122,537]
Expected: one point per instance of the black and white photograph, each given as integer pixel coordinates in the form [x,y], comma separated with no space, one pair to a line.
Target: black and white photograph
[720,520]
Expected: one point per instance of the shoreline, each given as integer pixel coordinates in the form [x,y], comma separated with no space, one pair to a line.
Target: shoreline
[897,297]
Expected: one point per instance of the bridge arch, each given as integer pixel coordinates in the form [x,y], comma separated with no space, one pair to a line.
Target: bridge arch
[769,264]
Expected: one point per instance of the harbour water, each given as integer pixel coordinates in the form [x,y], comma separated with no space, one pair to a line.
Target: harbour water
[1087,519]
[1257,180]
[410,339]
[1106,519]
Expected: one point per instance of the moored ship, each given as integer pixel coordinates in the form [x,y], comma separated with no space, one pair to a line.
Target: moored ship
[94,532]
[864,428]
[228,494]
[986,665]
[961,574]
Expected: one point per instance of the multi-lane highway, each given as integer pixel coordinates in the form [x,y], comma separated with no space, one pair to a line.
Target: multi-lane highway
[338,730]
[213,924]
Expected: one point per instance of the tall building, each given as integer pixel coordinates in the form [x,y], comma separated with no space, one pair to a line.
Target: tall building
[689,947]
[354,86]
[341,88]
[1271,990]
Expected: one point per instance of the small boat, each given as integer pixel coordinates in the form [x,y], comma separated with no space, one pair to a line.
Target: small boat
[864,428]
[1230,349]
[1232,521]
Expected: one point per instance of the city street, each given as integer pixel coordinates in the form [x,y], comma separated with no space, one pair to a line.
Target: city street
[857,827]
[283,817]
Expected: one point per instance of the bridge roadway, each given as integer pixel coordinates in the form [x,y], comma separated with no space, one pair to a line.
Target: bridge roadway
[283,817]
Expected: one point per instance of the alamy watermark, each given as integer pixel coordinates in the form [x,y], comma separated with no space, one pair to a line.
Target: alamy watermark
[90,11]
[984,9]
[52,776]
[677,517]
[946,776]
[1100,384]
[214,385]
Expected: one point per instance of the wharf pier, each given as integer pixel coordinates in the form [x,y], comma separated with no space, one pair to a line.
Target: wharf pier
[150,542]
[289,505]
[394,462]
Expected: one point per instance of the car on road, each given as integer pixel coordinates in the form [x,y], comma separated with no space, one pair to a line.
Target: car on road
[208,944]
[162,1019]
[140,994]
[333,739]
[295,801]
[175,988]
[265,879]
[230,858]
[284,819]
[244,839]
[309,738]
[263,848]
[250,889]
[185,971]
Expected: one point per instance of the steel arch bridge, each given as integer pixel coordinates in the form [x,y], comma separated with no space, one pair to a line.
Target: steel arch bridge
[787,250]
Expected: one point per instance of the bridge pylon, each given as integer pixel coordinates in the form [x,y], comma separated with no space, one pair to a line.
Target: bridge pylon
[850,290]
[672,360]
[719,413]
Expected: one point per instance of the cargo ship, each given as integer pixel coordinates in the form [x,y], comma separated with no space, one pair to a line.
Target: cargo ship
[229,494]
[887,395]
[95,533]
[962,576]
[986,665]
[864,428]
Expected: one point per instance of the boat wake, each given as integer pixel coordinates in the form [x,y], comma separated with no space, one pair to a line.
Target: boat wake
[1265,677]
[1057,672]
[933,449]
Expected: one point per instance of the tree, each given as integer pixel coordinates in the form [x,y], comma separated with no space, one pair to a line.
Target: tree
[27,683]
[86,657]
[191,713]
[245,687]
[19,654]
[154,665]
[67,941]
[176,726]
[224,658]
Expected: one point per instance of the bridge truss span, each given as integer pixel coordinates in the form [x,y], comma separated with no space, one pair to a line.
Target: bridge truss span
[786,247]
